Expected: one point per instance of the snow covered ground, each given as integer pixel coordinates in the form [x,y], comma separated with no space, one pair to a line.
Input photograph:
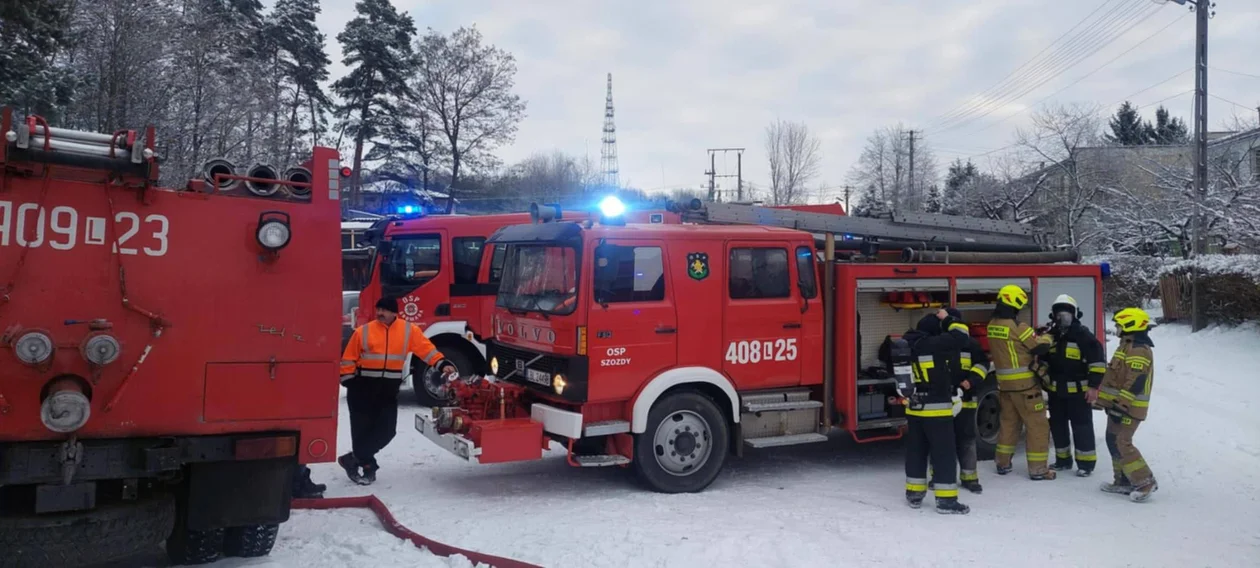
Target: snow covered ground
[836,503]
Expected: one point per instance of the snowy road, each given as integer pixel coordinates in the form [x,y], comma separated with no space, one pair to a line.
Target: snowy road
[836,503]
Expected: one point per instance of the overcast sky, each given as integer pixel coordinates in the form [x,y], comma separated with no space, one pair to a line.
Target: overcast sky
[695,74]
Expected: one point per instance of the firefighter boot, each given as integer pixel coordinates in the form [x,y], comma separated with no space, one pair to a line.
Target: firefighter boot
[369,474]
[304,488]
[972,485]
[1045,476]
[915,498]
[951,506]
[1061,463]
[1143,492]
[1121,485]
[351,465]
[1003,470]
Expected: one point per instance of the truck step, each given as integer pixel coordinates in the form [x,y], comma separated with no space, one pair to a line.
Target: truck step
[798,395]
[601,461]
[789,440]
[783,405]
[880,423]
[606,428]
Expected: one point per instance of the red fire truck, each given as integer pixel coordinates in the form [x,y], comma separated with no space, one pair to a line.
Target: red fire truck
[446,279]
[169,354]
[666,348]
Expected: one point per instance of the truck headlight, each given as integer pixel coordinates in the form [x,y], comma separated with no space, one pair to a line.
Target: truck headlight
[558,383]
[33,348]
[274,231]
[494,366]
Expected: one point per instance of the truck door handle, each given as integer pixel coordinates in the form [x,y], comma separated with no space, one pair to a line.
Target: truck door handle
[442,310]
[792,325]
[665,330]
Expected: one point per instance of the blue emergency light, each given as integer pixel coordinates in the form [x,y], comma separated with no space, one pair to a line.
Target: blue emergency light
[612,207]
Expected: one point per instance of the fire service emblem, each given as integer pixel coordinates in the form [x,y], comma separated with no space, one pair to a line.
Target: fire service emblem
[698,265]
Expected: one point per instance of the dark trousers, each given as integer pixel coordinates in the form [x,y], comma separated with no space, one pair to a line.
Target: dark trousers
[1071,421]
[373,404]
[931,438]
[965,441]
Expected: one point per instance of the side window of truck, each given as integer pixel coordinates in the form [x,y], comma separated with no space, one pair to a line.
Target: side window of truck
[496,263]
[805,268]
[758,273]
[466,257]
[629,274]
[413,259]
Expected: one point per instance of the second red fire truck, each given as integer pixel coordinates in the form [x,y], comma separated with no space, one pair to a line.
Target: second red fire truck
[667,348]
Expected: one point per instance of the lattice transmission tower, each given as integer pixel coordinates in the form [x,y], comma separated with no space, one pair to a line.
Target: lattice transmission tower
[608,155]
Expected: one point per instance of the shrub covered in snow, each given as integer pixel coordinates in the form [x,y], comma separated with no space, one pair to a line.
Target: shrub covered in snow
[1231,286]
[1134,280]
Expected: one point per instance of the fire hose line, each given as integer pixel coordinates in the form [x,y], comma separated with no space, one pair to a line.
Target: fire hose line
[395,528]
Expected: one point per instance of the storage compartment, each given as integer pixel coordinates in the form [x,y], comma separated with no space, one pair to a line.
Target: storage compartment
[268,391]
[514,439]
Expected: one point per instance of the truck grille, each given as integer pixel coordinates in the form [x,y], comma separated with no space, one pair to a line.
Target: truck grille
[508,357]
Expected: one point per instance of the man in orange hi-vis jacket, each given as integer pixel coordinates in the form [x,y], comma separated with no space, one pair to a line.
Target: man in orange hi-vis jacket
[372,372]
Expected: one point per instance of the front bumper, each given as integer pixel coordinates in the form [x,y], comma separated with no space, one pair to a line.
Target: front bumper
[426,423]
[500,440]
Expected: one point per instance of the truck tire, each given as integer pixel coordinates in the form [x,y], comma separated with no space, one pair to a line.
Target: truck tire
[685,444]
[251,541]
[108,533]
[425,385]
[988,420]
[187,546]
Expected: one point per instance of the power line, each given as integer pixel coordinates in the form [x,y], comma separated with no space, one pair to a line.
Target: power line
[1127,25]
[952,111]
[1223,99]
[1235,72]
[1088,41]
[1096,69]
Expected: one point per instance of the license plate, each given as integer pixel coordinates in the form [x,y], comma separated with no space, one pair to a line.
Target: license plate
[540,377]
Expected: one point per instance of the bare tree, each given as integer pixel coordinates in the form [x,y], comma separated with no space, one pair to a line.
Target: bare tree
[794,156]
[883,170]
[467,87]
[1071,178]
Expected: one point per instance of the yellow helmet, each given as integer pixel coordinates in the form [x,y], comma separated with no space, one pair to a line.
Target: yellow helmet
[1013,296]
[1132,320]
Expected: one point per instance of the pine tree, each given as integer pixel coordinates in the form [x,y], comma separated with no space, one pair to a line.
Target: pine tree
[953,202]
[377,49]
[304,65]
[1167,130]
[933,202]
[32,34]
[1127,128]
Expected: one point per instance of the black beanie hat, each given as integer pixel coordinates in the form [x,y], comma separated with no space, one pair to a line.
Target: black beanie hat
[388,303]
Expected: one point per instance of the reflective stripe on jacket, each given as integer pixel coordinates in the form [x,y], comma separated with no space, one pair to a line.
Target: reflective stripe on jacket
[376,351]
[1130,376]
[1011,348]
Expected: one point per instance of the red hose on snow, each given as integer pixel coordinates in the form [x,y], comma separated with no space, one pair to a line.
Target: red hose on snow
[395,528]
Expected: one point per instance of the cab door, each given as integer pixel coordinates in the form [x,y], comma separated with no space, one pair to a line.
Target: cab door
[416,268]
[632,326]
[761,331]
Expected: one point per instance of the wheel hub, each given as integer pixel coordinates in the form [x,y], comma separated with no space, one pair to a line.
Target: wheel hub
[682,442]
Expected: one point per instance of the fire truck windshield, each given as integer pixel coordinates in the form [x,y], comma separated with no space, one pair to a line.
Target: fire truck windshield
[540,278]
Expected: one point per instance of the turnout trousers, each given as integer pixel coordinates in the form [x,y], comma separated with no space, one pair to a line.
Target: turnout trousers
[1072,423]
[373,405]
[1023,408]
[931,439]
[965,441]
[1126,460]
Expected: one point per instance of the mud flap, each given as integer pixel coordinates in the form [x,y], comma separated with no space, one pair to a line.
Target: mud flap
[237,493]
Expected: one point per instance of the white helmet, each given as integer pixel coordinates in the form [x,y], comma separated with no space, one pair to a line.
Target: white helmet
[1065,299]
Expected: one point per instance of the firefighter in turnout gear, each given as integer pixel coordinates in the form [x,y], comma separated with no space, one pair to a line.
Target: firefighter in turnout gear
[1012,347]
[1076,362]
[372,372]
[976,361]
[935,351]
[1125,395]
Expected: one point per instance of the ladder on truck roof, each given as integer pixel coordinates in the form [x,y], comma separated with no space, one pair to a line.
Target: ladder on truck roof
[922,231]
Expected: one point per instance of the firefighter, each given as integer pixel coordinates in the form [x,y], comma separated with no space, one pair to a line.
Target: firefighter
[372,372]
[975,360]
[929,413]
[1012,347]
[1076,362]
[1125,395]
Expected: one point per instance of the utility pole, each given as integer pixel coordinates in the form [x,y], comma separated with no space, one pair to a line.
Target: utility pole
[847,189]
[713,175]
[910,186]
[739,176]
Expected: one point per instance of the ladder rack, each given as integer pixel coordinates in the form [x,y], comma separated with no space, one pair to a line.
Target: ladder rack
[914,230]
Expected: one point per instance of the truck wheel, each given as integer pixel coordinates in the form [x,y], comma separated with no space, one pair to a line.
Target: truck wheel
[427,387]
[988,422]
[187,546]
[251,541]
[684,446]
[105,534]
